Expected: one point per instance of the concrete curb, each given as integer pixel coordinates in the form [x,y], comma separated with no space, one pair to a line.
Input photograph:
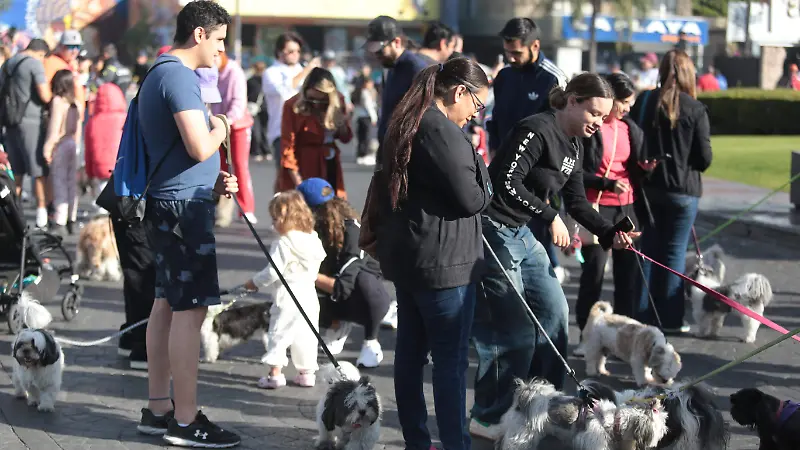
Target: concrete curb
[750,229]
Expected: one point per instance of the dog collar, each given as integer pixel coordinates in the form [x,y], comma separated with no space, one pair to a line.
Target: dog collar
[786,410]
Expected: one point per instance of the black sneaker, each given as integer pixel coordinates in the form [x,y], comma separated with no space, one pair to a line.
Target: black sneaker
[138,358]
[125,343]
[200,434]
[152,424]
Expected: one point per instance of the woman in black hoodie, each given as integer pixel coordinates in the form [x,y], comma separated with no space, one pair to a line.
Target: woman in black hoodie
[677,131]
[424,207]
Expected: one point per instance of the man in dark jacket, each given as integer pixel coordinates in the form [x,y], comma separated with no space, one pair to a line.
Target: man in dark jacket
[113,71]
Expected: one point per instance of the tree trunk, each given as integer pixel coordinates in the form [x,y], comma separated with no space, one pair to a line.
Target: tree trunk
[593,36]
[748,44]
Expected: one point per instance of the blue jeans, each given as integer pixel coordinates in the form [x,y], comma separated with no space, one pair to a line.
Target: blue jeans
[438,321]
[666,242]
[507,342]
[541,231]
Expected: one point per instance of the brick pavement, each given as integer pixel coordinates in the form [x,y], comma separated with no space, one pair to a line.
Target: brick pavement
[101,398]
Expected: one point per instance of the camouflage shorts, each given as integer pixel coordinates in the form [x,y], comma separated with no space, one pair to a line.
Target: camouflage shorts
[182,238]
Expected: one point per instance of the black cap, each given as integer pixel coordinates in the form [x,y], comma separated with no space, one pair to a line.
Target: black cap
[380,31]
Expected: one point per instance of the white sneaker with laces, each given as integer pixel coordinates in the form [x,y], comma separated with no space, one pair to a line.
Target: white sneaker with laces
[371,354]
[251,217]
[390,320]
[335,338]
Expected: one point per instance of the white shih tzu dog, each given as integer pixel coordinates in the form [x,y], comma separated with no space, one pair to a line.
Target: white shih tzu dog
[226,326]
[38,359]
[349,414]
[96,251]
[540,411]
[644,347]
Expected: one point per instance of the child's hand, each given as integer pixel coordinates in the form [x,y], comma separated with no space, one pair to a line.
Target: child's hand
[250,286]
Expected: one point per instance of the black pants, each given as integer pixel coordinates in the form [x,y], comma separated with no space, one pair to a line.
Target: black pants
[367,305]
[259,144]
[139,277]
[363,128]
[627,278]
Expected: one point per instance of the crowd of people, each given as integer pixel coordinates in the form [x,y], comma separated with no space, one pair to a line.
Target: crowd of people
[557,165]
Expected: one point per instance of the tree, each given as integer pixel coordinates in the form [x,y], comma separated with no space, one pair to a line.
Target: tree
[625,10]
[4,5]
[710,8]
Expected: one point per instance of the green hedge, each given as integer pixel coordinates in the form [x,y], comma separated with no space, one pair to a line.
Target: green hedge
[753,111]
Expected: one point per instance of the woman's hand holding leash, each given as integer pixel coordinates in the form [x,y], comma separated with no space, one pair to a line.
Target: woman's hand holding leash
[226,184]
[624,240]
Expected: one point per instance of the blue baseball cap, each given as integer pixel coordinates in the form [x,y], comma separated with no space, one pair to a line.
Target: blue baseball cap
[207,78]
[314,191]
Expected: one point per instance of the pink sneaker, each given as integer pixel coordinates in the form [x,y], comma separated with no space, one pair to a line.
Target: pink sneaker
[305,379]
[272,382]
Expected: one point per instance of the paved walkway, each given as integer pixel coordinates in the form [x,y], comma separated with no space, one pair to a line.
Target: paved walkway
[101,397]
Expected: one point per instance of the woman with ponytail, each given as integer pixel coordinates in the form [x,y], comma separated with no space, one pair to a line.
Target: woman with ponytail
[677,132]
[542,155]
[424,209]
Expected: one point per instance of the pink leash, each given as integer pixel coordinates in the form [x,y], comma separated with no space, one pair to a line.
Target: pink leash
[720,297]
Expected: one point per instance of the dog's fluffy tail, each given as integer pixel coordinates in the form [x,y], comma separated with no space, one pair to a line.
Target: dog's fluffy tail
[752,288]
[601,308]
[33,314]
[346,371]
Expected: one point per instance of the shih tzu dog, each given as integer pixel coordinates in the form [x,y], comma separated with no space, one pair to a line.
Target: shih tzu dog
[96,252]
[38,359]
[644,347]
[540,411]
[776,422]
[226,326]
[694,422]
[349,414]
[752,290]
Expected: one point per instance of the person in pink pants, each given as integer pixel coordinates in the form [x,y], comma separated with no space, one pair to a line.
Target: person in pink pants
[233,89]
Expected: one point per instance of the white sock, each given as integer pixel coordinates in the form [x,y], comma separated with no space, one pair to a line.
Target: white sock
[41,217]
[183,425]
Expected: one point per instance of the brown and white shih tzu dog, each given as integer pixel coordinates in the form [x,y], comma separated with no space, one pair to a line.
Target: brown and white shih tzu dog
[349,414]
[644,347]
[38,359]
[776,422]
[540,411]
[226,326]
[97,257]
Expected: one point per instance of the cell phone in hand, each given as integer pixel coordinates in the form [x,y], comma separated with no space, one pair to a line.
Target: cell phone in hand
[661,157]
[625,225]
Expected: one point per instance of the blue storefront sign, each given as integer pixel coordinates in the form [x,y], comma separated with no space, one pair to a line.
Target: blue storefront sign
[611,29]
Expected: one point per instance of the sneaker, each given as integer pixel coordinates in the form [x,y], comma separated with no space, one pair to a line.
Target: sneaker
[684,329]
[251,217]
[152,424]
[371,354]
[305,379]
[335,338]
[200,434]
[390,320]
[272,382]
[561,274]
[485,430]
[125,345]
[580,350]
[138,358]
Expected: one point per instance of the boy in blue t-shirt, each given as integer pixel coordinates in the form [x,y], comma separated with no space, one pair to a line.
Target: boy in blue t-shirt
[176,126]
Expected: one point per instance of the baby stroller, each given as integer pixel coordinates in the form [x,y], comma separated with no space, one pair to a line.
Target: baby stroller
[24,266]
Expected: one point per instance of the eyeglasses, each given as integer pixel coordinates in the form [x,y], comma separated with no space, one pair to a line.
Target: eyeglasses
[479,106]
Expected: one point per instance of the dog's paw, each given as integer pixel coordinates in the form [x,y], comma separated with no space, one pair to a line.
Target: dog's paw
[324,445]
[604,371]
[20,395]
[749,339]
[33,402]
[46,407]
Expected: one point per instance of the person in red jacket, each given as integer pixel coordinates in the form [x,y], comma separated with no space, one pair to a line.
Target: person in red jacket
[103,133]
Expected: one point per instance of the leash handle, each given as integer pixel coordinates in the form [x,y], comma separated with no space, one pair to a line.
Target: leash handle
[747,312]
[697,245]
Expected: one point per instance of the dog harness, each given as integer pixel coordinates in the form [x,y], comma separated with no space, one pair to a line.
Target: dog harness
[786,410]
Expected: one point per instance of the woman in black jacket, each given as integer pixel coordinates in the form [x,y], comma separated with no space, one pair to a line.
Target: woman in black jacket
[613,171]
[542,155]
[677,131]
[424,210]
[349,283]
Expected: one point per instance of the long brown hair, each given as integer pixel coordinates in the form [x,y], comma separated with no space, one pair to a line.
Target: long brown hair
[330,218]
[63,85]
[321,80]
[676,74]
[433,82]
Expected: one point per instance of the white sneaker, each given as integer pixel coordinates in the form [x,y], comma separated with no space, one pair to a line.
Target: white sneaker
[369,160]
[486,431]
[580,350]
[251,217]
[390,320]
[41,217]
[371,354]
[335,339]
[562,274]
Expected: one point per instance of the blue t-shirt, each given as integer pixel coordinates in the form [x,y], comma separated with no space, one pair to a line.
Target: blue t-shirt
[168,89]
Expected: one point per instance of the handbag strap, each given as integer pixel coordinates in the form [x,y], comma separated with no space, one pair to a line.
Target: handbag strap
[613,154]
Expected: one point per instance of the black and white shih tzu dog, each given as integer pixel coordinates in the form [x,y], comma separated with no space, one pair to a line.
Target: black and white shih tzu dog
[540,411]
[776,422]
[349,414]
[226,326]
[38,359]
[694,422]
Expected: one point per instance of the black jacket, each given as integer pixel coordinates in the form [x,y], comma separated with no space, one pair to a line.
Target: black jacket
[538,160]
[397,83]
[345,264]
[520,92]
[593,154]
[433,240]
[114,72]
[687,147]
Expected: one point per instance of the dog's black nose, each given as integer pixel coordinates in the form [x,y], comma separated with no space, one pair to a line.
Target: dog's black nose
[362,412]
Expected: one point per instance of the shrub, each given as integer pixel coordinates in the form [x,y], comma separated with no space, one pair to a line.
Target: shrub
[753,111]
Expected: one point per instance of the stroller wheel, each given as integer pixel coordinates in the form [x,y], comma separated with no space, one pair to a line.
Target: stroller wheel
[70,304]
[14,318]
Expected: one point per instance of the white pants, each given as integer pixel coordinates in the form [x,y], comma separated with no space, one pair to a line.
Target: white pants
[288,329]
[64,173]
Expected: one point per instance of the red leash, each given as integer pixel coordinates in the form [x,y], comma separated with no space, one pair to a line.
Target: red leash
[747,312]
